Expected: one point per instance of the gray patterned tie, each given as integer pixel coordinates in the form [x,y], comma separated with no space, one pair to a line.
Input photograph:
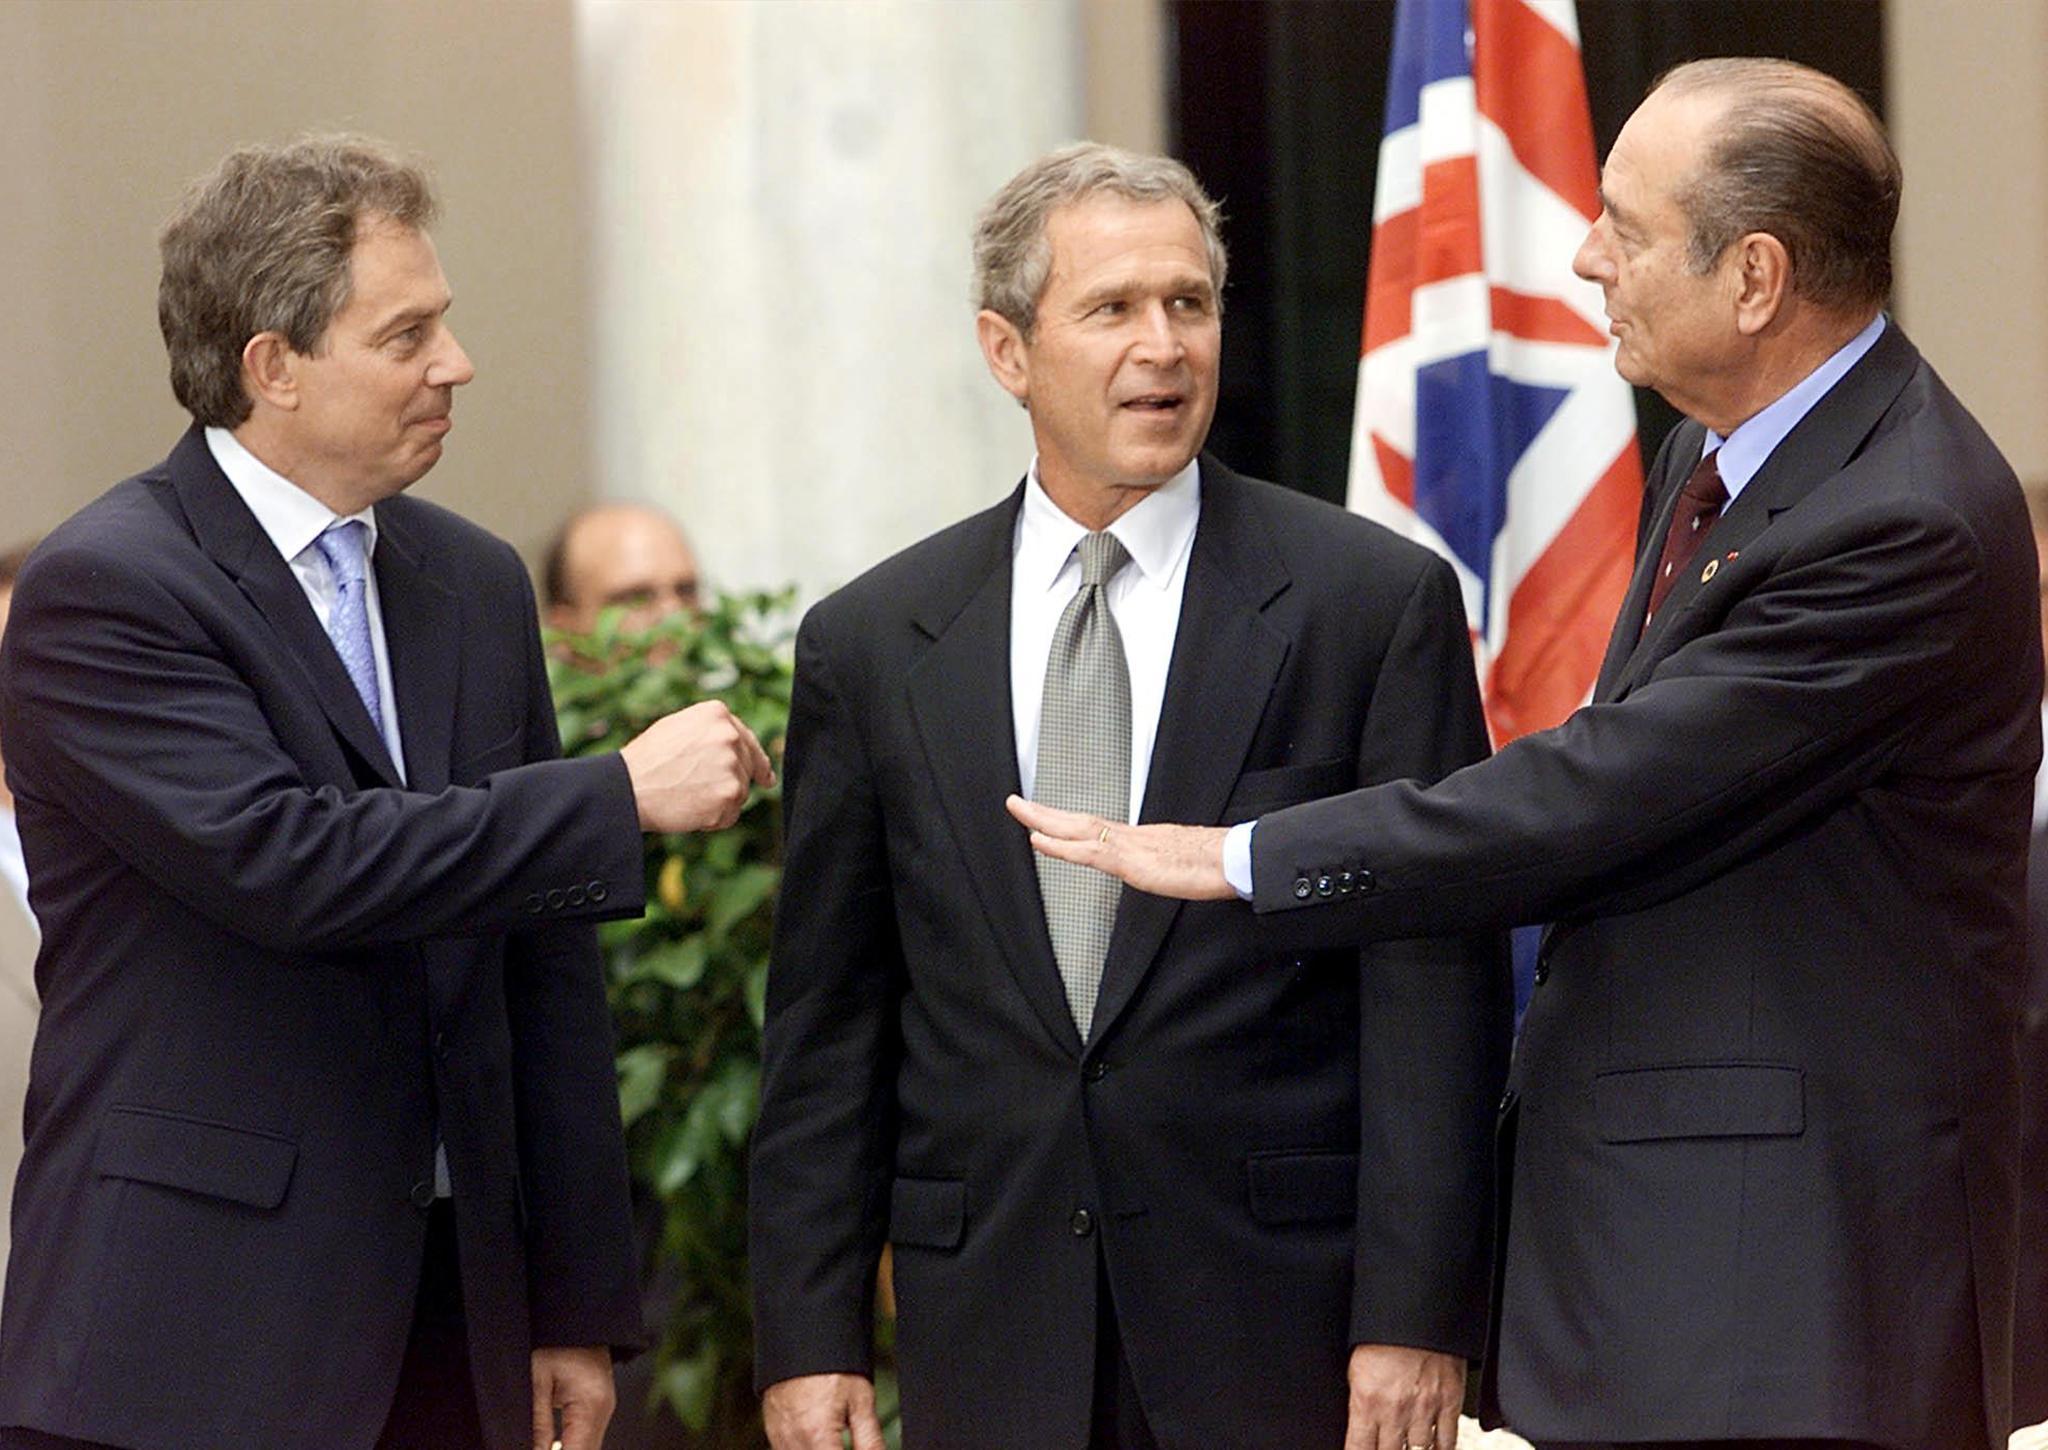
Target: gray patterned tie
[1084,764]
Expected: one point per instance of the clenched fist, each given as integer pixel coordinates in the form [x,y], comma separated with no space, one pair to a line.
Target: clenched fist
[692,770]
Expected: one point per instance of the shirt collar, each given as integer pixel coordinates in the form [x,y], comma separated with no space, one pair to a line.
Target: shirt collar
[291,517]
[1750,446]
[1155,531]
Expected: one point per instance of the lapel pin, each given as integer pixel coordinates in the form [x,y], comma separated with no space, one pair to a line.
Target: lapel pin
[1707,574]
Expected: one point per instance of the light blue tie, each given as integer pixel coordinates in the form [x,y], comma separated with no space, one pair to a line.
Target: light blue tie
[348,622]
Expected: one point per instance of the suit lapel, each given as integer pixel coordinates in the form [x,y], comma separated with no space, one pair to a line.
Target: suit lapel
[1226,658]
[422,632]
[223,526]
[960,702]
[1819,446]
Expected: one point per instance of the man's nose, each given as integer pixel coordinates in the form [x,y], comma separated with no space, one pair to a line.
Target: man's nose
[1590,261]
[452,368]
[1159,340]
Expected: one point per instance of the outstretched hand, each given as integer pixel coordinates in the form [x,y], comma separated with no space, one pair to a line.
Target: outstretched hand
[1179,861]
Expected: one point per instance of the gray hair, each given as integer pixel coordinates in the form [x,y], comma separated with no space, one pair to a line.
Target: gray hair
[262,244]
[1012,258]
[1800,156]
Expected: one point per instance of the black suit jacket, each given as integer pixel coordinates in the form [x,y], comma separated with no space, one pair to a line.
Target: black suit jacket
[269,975]
[1763,1106]
[1275,1156]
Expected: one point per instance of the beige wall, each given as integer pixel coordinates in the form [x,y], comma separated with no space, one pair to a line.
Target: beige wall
[1969,113]
[107,109]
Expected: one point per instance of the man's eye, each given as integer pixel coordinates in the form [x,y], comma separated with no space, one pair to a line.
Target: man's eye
[1116,308]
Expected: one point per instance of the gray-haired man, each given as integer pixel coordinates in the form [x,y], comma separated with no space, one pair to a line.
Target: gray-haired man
[1144,1184]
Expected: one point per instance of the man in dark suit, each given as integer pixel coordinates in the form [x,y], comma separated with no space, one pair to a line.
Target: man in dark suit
[1762,1113]
[323,1144]
[2030,1305]
[1145,1183]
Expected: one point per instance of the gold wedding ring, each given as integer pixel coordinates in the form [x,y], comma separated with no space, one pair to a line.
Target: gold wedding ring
[1103,840]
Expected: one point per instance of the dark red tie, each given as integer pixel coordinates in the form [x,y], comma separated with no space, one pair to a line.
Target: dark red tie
[1699,504]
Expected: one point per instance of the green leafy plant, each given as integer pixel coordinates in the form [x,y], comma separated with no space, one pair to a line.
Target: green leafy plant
[688,981]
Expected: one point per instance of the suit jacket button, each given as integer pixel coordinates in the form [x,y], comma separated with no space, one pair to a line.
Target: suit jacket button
[1302,888]
[1325,886]
[576,896]
[1096,1071]
[597,892]
[534,904]
[555,899]
[1507,1100]
[1082,1223]
[422,1194]
[1542,972]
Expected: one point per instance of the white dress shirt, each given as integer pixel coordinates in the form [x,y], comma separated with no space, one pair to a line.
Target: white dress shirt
[293,519]
[1144,599]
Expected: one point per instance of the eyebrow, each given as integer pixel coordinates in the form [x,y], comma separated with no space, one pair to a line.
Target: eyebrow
[400,320]
[1189,282]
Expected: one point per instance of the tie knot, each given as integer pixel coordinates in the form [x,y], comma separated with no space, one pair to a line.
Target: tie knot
[341,545]
[1101,556]
[1704,487]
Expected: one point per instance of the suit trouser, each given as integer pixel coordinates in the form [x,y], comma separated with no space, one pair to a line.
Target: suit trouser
[434,1407]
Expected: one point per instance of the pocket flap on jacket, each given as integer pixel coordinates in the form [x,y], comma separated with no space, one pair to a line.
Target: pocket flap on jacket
[1709,1100]
[1260,791]
[1302,1187]
[199,1157]
[928,1213]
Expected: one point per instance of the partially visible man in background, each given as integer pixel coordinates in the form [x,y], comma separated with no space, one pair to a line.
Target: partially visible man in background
[18,938]
[13,872]
[2030,1305]
[630,556]
[323,1140]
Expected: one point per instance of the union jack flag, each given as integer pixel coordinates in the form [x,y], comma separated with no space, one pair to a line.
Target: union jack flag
[1490,422]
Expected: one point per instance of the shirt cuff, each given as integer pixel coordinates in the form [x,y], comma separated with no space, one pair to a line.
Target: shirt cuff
[1237,859]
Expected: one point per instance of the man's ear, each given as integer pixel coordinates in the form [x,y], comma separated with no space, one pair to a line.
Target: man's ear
[1763,282]
[270,370]
[1004,350]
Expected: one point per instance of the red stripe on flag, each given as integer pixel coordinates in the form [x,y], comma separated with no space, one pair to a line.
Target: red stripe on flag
[1396,471]
[1542,319]
[1529,83]
[1561,612]
[1390,280]
[1448,244]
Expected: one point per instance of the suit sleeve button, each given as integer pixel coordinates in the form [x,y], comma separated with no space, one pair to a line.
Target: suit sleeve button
[576,896]
[1082,1223]
[555,899]
[1365,881]
[1302,888]
[534,904]
[1325,886]
[598,892]
[422,1194]
[1347,882]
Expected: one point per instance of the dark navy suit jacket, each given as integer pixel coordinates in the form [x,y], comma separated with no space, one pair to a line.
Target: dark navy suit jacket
[270,976]
[1763,1108]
